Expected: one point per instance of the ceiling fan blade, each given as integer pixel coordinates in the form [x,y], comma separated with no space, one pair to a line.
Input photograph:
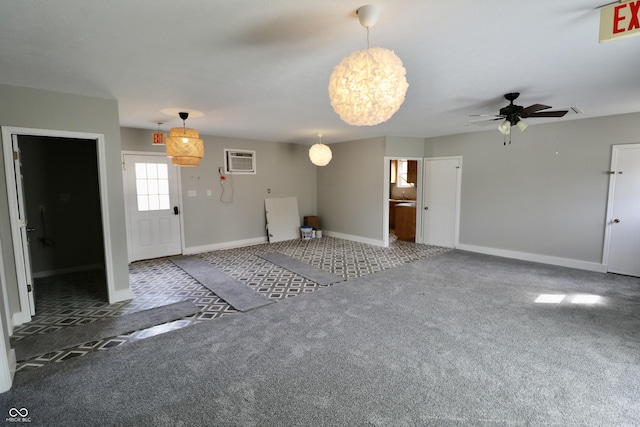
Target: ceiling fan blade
[487,119]
[532,109]
[558,113]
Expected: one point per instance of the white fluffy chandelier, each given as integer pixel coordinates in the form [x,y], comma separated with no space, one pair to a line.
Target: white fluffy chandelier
[320,154]
[369,86]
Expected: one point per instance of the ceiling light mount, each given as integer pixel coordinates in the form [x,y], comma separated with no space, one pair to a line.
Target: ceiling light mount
[368,15]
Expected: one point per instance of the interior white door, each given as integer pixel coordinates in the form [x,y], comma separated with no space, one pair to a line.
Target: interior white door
[151,192]
[24,227]
[623,219]
[441,201]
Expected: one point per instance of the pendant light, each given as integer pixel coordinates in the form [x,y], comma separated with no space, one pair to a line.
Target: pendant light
[184,146]
[320,154]
[369,86]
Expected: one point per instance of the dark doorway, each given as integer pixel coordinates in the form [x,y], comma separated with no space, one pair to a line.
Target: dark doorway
[62,200]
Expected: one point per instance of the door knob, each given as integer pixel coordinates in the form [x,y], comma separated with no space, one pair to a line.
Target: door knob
[176,211]
[615,221]
[426,208]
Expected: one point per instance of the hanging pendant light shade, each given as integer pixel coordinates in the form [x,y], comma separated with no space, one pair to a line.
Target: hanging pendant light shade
[369,86]
[320,154]
[184,146]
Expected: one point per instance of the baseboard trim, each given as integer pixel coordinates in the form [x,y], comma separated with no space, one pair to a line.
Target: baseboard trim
[224,245]
[19,318]
[13,363]
[49,273]
[8,371]
[121,295]
[358,239]
[544,259]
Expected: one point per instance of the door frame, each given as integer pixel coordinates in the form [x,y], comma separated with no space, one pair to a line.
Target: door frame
[386,188]
[24,315]
[456,240]
[615,151]
[127,199]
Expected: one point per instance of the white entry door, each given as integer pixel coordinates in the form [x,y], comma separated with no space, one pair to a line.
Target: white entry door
[151,191]
[441,201]
[623,219]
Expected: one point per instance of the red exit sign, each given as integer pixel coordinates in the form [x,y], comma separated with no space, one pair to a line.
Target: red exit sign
[158,137]
[620,20]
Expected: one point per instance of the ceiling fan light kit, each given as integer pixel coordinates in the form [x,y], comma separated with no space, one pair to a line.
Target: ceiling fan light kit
[512,115]
[522,125]
[505,127]
[369,86]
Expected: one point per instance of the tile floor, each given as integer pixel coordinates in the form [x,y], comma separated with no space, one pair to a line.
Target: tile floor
[75,299]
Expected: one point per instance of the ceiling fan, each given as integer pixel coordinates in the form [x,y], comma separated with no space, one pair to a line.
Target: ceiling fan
[512,114]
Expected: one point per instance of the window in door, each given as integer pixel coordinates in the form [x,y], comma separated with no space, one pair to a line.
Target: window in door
[152,186]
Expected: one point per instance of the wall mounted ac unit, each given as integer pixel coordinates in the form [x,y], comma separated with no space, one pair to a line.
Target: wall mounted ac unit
[239,161]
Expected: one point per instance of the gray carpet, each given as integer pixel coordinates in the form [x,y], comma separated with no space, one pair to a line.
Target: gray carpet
[36,345]
[237,294]
[452,340]
[307,271]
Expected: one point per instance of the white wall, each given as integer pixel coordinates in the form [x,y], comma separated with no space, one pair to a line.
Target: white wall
[210,223]
[350,192]
[544,194]
[404,147]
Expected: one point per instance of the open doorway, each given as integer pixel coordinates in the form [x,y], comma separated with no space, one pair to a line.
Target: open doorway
[62,205]
[91,227]
[402,198]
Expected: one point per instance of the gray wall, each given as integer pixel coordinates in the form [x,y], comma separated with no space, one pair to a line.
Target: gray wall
[283,168]
[350,189]
[31,108]
[546,193]
[68,230]
[404,147]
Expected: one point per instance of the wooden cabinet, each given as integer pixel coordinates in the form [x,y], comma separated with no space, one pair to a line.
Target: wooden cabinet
[412,172]
[405,222]
[392,213]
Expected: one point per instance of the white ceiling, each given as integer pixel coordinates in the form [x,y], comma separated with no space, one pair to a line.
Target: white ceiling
[260,69]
